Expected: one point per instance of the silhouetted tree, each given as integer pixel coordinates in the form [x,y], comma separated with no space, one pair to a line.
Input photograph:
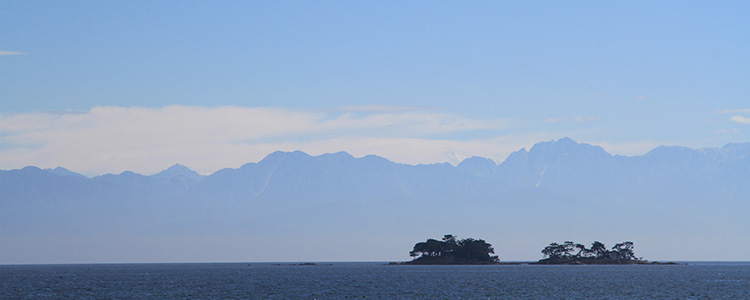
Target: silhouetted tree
[563,253]
[453,250]
[624,250]
[450,243]
[474,249]
[598,249]
[568,248]
[582,251]
[555,251]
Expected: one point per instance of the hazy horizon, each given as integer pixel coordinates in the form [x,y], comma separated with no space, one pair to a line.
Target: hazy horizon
[107,87]
[336,203]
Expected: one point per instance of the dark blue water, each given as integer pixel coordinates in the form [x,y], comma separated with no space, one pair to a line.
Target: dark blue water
[374,281]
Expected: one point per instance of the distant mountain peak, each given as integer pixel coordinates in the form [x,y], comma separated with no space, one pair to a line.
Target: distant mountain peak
[474,161]
[338,155]
[178,170]
[478,166]
[343,153]
[282,155]
[33,169]
[279,156]
[662,151]
[566,141]
[553,145]
[566,146]
[64,172]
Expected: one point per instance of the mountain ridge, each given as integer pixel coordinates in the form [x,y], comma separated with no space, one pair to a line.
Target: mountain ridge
[730,150]
[293,196]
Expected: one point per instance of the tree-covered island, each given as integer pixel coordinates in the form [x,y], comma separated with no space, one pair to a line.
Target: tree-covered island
[570,253]
[453,251]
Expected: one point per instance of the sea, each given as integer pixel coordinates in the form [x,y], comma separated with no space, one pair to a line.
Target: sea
[374,280]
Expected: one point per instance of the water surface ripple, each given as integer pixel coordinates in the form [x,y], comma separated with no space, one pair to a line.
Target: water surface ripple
[373,281]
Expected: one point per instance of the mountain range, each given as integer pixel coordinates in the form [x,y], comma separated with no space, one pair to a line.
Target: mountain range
[291,206]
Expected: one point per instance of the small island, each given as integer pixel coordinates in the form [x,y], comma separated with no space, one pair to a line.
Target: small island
[570,253]
[453,251]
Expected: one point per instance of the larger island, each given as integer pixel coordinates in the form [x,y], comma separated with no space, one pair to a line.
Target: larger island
[453,251]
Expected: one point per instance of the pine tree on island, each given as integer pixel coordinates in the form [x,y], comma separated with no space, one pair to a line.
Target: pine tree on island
[573,253]
[452,251]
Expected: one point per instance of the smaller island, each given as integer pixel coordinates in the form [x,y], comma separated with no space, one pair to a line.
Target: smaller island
[453,251]
[570,253]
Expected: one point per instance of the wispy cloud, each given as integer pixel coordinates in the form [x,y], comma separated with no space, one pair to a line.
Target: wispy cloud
[578,119]
[11,53]
[734,111]
[65,112]
[556,120]
[740,119]
[737,114]
[147,140]
[725,131]
[381,108]
[113,139]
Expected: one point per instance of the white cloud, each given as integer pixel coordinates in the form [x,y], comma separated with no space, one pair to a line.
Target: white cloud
[556,120]
[737,118]
[147,140]
[11,53]
[740,119]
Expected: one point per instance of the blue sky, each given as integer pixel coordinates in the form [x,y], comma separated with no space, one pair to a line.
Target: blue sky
[100,87]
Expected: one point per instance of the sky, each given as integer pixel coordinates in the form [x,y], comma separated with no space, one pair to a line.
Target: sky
[107,86]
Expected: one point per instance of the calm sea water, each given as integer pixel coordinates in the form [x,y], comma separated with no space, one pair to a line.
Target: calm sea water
[373,281]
